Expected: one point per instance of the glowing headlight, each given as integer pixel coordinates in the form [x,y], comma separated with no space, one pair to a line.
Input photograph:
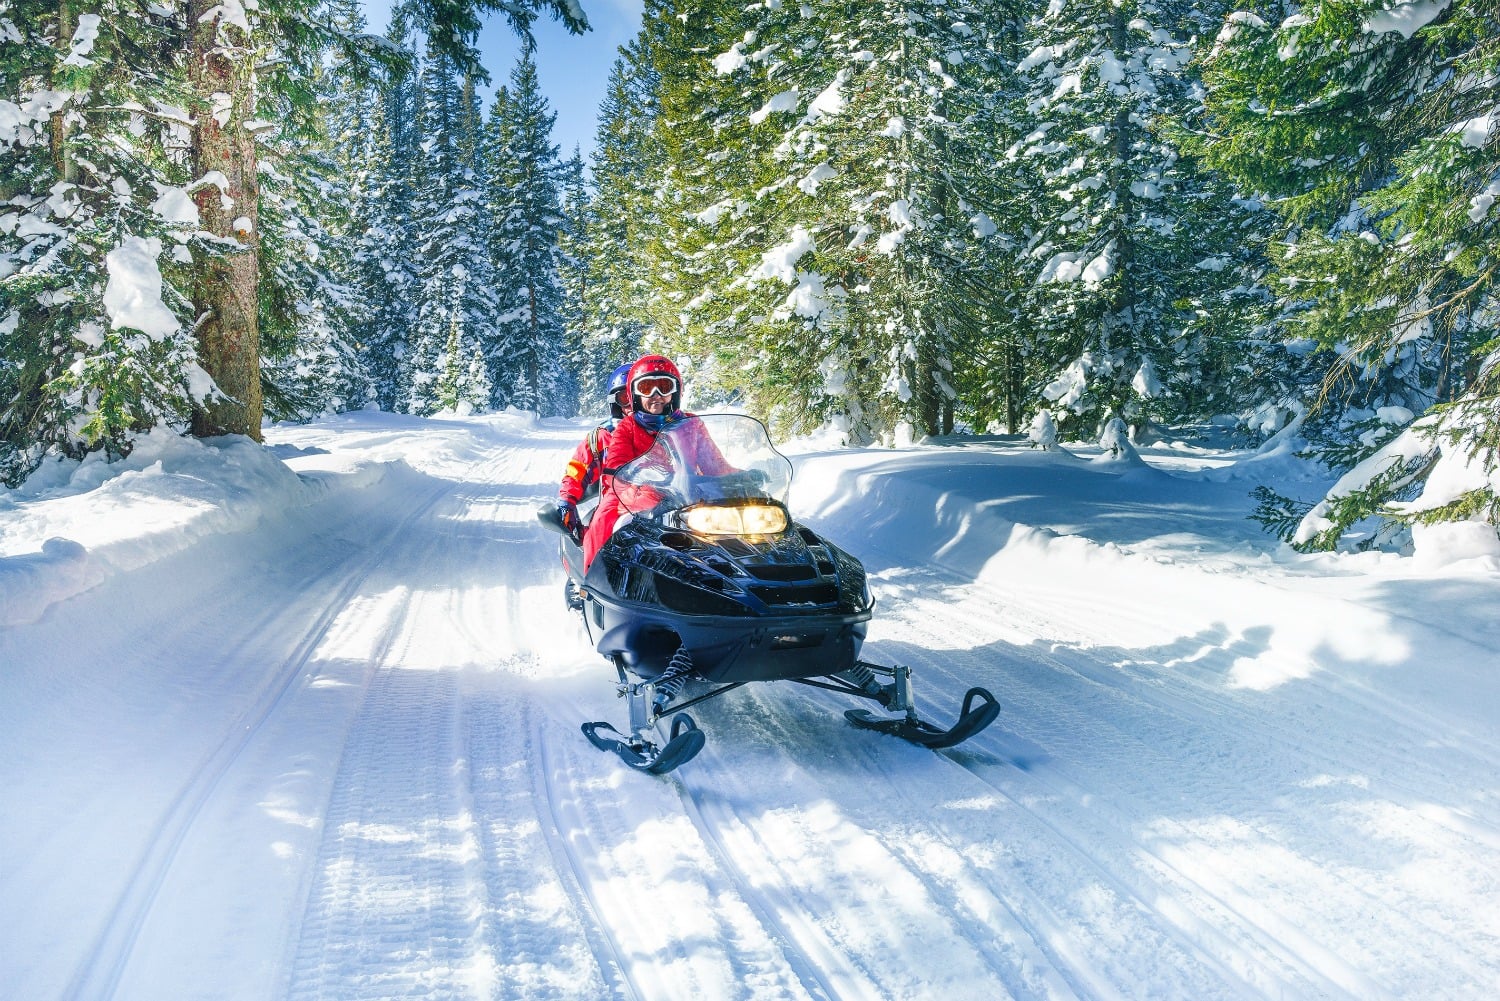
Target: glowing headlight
[763,519]
[752,519]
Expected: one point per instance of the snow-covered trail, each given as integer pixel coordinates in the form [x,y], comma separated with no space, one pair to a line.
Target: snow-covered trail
[338,757]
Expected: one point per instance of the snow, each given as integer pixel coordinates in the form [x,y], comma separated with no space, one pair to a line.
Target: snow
[231,13]
[1406,18]
[83,41]
[1476,131]
[810,298]
[175,205]
[784,101]
[1479,205]
[780,261]
[822,172]
[830,101]
[132,298]
[302,721]
[218,179]
[727,62]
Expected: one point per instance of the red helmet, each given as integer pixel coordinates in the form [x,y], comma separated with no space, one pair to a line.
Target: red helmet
[649,367]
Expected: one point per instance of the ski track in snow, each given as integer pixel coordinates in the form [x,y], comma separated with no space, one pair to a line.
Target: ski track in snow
[1239,929]
[100,971]
[1130,827]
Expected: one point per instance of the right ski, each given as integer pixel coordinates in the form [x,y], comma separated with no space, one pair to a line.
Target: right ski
[971,719]
[685,743]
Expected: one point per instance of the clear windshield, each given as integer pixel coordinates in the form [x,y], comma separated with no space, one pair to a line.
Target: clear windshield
[705,459]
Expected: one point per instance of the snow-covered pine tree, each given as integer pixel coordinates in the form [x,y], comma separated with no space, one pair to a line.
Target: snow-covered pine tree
[817,162]
[116,120]
[1130,245]
[455,292]
[314,179]
[385,252]
[996,362]
[616,312]
[311,361]
[528,353]
[1380,151]
[464,383]
[691,161]
[235,49]
[95,327]
[573,276]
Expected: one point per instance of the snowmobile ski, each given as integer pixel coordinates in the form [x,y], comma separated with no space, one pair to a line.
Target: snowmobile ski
[685,743]
[971,720]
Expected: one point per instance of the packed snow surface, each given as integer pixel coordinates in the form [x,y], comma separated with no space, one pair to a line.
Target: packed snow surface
[302,722]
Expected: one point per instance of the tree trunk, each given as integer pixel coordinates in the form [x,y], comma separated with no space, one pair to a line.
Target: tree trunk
[227,280]
[533,354]
[62,158]
[1014,385]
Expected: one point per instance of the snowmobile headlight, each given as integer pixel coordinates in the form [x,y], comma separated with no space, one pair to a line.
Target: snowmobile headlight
[751,519]
[763,519]
[712,520]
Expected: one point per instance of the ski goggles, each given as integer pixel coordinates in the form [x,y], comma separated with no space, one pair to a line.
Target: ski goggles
[655,385]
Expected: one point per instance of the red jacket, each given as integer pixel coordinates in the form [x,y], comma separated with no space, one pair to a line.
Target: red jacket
[631,440]
[586,466]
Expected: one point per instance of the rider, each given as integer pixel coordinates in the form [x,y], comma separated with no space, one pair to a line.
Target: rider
[581,478]
[654,405]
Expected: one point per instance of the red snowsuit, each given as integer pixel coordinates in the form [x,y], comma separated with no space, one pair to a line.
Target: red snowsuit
[586,466]
[631,441]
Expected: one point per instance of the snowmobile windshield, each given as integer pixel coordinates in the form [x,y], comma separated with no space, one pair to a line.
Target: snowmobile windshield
[713,474]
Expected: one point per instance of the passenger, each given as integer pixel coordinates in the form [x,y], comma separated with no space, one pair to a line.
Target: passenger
[581,478]
[654,405]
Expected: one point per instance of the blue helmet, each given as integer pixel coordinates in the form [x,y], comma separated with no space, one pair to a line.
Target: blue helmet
[618,379]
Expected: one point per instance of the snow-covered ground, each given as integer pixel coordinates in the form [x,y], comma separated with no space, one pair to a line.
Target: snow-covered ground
[303,723]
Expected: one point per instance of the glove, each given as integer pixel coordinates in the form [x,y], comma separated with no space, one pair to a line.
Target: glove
[567,515]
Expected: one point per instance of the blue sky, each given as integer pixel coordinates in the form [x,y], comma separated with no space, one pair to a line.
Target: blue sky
[573,70]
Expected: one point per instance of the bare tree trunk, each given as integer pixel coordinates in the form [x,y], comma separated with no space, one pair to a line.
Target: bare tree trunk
[226,285]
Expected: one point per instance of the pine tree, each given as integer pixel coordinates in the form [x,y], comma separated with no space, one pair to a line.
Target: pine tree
[1131,244]
[1378,152]
[131,255]
[95,215]
[816,153]
[576,216]
[456,303]
[228,43]
[314,180]
[385,252]
[528,354]
[616,314]
[464,383]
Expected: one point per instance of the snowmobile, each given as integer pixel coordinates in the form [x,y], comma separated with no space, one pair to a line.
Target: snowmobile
[707,579]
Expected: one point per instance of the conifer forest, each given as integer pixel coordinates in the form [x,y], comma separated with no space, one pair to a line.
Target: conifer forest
[894,218]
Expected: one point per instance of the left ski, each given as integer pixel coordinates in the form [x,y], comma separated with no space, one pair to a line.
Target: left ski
[686,741]
[971,720]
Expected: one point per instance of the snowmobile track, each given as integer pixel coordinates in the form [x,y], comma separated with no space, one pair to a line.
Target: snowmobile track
[983,914]
[396,892]
[1150,902]
[1269,942]
[566,828]
[779,913]
[102,966]
[542,948]
[783,884]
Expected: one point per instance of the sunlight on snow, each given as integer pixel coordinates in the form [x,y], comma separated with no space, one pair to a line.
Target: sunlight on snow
[1314,636]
